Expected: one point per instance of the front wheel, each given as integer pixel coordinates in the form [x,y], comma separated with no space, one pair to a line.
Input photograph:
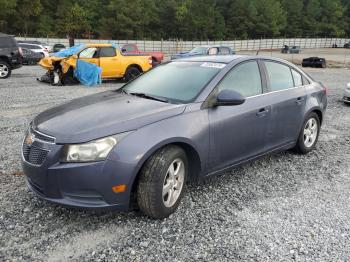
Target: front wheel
[162,182]
[5,70]
[131,73]
[308,136]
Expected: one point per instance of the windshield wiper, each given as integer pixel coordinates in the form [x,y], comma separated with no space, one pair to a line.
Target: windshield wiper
[156,98]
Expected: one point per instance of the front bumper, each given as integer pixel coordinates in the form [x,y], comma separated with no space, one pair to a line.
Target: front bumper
[78,185]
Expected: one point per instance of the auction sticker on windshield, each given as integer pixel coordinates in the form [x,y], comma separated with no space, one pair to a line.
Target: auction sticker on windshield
[213,65]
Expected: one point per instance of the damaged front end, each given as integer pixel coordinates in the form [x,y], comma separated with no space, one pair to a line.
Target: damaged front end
[60,70]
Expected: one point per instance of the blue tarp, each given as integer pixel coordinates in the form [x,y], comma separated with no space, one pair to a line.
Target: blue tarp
[69,51]
[88,74]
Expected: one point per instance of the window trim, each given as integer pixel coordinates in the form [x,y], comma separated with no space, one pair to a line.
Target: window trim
[262,79]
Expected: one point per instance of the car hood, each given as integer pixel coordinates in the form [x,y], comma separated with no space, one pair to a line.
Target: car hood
[101,115]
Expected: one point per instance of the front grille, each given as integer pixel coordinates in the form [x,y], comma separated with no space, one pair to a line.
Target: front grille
[42,137]
[34,155]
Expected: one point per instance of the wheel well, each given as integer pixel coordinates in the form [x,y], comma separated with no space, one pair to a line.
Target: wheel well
[320,115]
[134,65]
[193,161]
[4,58]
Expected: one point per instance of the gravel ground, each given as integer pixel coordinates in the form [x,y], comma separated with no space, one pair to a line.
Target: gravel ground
[282,207]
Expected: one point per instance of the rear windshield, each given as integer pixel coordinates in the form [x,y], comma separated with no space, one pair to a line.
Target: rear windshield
[179,82]
[7,42]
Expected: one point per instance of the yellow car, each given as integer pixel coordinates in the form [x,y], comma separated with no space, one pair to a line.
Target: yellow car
[107,56]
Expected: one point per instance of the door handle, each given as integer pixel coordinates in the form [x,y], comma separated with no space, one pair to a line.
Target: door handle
[262,112]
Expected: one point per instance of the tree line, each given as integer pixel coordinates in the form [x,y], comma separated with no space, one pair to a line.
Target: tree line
[175,19]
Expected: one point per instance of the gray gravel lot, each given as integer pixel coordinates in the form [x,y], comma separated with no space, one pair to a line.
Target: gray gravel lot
[282,207]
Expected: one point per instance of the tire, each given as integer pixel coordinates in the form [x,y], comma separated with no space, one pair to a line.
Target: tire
[5,70]
[323,65]
[305,145]
[155,178]
[131,73]
[154,62]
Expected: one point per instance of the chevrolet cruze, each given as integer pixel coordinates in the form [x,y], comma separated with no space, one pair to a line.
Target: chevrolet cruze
[181,122]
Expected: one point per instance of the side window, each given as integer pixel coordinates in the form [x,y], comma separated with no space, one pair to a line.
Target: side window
[129,48]
[280,76]
[107,52]
[305,81]
[298,80]
[224,51]
[88,52]
[244,78]
[213,51]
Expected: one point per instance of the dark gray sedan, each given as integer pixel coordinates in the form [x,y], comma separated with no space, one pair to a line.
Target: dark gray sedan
[182,121]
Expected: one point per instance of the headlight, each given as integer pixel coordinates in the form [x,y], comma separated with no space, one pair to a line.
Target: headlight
[97,150]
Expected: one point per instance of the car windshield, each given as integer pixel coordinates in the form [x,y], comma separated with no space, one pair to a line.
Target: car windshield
[176,82]
[199,50]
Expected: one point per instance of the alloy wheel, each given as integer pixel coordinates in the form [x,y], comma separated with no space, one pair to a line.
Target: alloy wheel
[4,70]
[173,182]
[310,132]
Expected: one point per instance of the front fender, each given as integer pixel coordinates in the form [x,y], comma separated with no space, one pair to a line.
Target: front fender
[190,128]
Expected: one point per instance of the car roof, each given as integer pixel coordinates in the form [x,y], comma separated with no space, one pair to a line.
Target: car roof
[40,45]
[209,46]
[226,59]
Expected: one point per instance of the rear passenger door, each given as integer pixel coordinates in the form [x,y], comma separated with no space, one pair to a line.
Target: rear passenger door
[288,98]
[109,62]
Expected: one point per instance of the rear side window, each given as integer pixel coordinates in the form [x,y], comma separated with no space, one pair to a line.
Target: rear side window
[298,80]
[224,51]
[107,52]
[7,42]
[129,48]
[244,78]
[280,76]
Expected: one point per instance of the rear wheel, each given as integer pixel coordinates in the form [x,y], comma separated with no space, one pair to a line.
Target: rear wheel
[131,73]
[162,182]
[5,70]
[308,136]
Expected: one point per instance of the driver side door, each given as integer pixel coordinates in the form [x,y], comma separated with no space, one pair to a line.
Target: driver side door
[238,133]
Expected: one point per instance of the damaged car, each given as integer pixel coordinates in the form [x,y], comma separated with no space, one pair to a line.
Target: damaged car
[104,59]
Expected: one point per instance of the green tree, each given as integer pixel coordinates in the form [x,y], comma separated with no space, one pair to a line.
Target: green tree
[7,8]
[294,12]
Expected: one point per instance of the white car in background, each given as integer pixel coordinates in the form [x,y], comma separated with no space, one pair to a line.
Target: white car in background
[346,97]
[36,48]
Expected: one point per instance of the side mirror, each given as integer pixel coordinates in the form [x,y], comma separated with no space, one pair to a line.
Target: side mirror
[229,98]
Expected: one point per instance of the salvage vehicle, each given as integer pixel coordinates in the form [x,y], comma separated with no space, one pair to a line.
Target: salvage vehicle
[45,45]
[294,50]
[346,97]
[314,62]
[36,48]
[108,57]
[11,56]
[181,122]
[132,49]
[204,51]
[30,57]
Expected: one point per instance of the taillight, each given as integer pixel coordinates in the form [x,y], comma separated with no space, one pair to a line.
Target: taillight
[325,90]
[20,51]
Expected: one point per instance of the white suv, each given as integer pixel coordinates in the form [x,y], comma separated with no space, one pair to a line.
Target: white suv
[36,48]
